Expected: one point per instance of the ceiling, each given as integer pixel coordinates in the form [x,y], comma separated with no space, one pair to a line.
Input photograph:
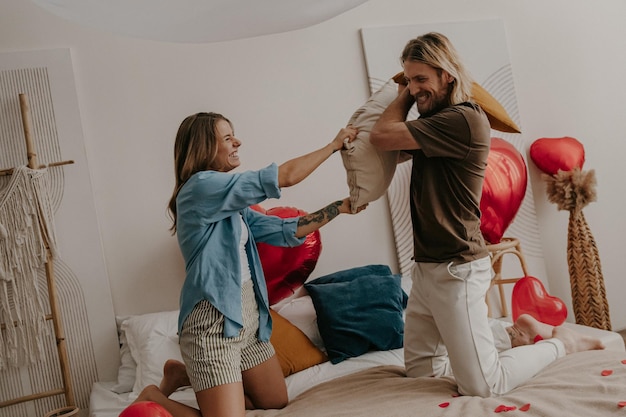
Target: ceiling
[197,21]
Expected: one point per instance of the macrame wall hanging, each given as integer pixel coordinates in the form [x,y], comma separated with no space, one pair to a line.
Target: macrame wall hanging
[28,243]
[26,229]
[571,188]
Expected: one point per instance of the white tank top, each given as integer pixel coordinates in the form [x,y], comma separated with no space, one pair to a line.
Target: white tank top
[243,258]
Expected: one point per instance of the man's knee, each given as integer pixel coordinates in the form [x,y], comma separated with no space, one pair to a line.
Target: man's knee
[427,367]
[476,390]
[477,384]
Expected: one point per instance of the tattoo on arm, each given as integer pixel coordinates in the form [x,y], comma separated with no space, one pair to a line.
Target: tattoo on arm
[327,213]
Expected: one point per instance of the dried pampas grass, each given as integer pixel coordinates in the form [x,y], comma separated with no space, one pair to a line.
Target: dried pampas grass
[572,191]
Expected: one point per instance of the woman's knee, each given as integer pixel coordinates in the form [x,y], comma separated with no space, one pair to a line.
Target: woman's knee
[272,402]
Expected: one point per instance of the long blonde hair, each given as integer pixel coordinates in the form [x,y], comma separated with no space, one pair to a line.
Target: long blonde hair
[195,150]
[436,50]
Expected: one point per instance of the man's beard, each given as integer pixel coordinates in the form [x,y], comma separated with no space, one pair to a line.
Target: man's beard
[439,103]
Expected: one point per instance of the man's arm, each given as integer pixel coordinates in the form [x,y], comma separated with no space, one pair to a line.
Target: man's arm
[390,133]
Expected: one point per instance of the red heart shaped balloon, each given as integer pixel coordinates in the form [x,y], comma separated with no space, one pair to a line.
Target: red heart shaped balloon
[503,189]
[554,154]
[530,297]
[145,409]
[286,269]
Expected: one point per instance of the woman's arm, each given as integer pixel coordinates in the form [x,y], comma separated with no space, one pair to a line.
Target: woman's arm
[311,222]
[297,169]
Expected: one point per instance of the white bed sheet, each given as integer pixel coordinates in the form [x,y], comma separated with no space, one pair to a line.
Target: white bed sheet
[105,403]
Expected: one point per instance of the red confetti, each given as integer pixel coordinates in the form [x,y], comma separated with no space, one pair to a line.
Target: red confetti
[525,407]
[504,408]
[606,372]
[621,404]
[537,338]
[444,405]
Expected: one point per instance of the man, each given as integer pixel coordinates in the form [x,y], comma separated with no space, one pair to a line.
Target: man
[447,328]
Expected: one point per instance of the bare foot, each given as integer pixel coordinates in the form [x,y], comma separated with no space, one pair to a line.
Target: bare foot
[526,329]
[576,342]
[174,377]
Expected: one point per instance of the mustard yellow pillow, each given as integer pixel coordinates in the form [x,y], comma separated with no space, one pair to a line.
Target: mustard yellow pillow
[294,350]
[498,117]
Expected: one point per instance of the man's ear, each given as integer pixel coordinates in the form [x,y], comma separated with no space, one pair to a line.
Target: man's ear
[447,77]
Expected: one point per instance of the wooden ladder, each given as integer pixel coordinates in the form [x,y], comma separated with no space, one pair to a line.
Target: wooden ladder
[55,314]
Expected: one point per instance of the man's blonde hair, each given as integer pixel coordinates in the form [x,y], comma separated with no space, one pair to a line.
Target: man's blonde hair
[436,50]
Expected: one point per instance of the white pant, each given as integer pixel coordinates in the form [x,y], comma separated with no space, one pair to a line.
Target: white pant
[447,328]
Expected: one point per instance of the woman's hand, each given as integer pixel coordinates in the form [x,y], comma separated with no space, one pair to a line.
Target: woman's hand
[347,133]
[345,207]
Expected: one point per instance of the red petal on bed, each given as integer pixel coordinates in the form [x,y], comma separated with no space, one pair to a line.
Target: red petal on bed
[504,408]
[525,407]
[537,338]
[621,404]
[606,372]
[444,405]
[456,394]
[624,361]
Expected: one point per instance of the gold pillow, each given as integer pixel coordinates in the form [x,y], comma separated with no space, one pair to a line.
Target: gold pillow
[499,119]
[294,350]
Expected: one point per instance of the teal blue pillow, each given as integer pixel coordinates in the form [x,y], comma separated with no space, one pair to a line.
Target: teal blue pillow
[358,310]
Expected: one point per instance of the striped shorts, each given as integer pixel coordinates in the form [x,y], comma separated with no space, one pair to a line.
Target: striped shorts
[213,359]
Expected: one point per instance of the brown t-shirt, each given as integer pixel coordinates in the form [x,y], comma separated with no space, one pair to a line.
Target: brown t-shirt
[446,183]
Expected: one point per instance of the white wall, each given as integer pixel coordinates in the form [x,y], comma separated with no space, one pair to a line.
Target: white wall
[289,93]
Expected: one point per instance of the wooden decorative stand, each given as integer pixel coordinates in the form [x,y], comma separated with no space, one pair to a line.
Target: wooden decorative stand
[508,245]
[63,412]
[55,314]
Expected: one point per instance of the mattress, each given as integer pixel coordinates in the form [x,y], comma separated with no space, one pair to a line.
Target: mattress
[106,403]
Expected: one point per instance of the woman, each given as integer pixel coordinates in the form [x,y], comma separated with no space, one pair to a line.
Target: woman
[224,322]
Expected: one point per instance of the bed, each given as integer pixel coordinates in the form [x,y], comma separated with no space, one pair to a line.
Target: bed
[358,371]
[373,383]
[574,385]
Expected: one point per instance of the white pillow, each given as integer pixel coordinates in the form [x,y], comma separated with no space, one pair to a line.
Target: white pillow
[301,313]
[128,367]
[369,171]
[152,339]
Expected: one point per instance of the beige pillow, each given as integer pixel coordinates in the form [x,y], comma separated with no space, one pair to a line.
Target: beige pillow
[369,171]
